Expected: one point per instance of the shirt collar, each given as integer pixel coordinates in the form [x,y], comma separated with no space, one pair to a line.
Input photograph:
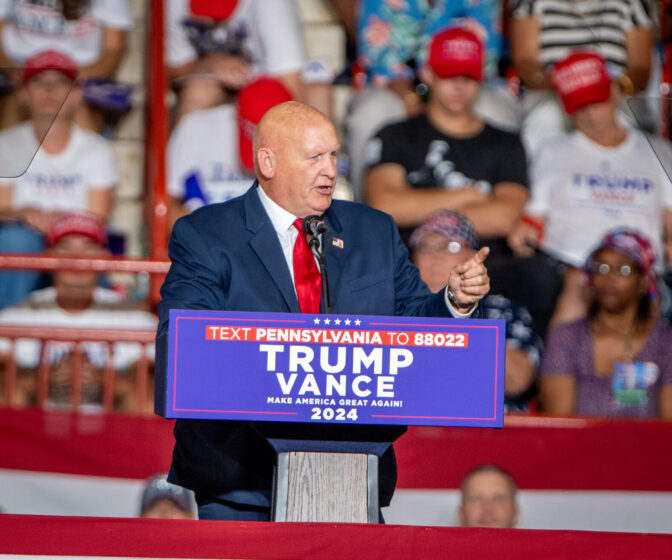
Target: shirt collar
[280,218]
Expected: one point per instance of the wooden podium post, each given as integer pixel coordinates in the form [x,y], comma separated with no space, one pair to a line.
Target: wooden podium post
[333,481]
[334,487]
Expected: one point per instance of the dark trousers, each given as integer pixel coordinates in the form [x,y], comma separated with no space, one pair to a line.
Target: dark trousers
[223,510]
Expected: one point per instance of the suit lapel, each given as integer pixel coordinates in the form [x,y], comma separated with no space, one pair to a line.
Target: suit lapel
[335,256]
[264,242]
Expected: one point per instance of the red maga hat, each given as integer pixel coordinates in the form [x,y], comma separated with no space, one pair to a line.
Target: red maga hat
[456,51]
[76,223]
[580,79]
[49,60]
[253,101]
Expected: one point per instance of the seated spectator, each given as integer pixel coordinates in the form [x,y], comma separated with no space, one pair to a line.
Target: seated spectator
[617,361]
[75,300]
[544,32]
[72,169]
[392,38]
[90,32]
[449,157]
[163,500]
[488,498]
[213,49]
[210,155]
[594,179]
[446,240]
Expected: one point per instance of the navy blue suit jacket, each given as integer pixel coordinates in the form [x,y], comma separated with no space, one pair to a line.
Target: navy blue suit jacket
[228,257]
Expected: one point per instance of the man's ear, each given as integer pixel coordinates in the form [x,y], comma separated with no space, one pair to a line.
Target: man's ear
[516,514]
[427,76]
[461,519]
[266,162]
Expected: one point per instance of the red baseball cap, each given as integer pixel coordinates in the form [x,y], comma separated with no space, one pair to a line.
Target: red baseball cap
[77,224]
[456,51]
[219,10]
[580,79]
[253,101]
[49,60]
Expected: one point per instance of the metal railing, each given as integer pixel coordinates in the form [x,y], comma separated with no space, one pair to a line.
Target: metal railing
[76,337]
[50,262]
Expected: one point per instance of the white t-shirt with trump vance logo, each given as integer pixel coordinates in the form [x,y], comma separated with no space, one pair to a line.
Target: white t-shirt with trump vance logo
[585,189]
[55,181]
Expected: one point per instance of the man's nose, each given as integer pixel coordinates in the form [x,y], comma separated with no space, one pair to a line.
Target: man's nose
[50,85]
[331,167]
[488,503]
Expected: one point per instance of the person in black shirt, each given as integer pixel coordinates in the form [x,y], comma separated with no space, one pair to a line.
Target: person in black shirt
[449,157]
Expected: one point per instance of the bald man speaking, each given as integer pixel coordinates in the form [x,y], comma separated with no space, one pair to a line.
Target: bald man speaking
[245,255]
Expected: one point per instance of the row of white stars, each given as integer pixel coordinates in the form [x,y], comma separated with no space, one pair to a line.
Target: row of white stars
[337,321]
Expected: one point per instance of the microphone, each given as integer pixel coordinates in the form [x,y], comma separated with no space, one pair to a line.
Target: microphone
[314,225]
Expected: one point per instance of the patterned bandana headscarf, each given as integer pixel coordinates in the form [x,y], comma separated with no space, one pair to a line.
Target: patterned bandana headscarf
[634,245]
[449,224]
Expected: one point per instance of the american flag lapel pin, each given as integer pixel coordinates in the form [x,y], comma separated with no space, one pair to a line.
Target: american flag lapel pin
[337,242]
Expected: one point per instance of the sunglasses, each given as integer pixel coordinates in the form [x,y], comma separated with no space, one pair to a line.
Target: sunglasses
[603,269]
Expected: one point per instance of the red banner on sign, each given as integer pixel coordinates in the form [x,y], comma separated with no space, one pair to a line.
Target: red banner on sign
[336,336]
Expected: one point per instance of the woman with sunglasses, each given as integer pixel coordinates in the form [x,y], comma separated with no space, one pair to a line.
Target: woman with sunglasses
[617,361]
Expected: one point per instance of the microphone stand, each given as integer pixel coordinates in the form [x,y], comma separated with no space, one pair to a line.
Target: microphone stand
[316,248]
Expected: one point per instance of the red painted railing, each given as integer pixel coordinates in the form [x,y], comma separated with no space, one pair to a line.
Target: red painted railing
[78,336]
[156,138]
[51,262]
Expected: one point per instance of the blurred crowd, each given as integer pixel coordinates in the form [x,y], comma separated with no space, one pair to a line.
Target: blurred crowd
[531,126]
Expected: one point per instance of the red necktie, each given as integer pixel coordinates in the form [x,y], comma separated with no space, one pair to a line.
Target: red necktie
[307,278]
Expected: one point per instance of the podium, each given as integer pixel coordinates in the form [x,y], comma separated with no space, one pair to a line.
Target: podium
[330,393]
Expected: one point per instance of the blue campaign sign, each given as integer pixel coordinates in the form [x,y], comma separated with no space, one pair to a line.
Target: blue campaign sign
[347,369]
